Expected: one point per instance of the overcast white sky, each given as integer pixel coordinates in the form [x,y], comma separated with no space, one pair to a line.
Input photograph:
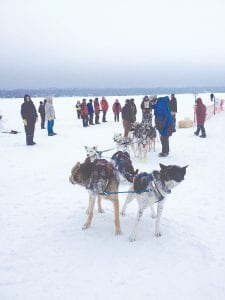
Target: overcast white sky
[111,43]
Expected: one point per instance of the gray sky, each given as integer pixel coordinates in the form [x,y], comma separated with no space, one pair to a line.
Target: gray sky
[111,43]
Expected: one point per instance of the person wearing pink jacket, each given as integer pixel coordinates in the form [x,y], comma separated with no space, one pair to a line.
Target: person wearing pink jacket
[200,111]
[116,110]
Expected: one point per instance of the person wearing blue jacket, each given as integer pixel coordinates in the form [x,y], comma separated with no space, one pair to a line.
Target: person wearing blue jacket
[163,122]
[90,111]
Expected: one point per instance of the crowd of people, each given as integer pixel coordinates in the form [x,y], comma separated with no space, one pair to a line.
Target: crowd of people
[164,109]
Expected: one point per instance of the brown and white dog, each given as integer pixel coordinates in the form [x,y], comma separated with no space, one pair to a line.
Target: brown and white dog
[80,174]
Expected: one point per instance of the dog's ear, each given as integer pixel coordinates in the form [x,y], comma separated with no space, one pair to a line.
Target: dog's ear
[95,147]
[120,134]
[162,166]
[184,168]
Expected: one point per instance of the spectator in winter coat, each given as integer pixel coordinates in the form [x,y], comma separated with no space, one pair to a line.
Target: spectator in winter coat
[90,111]
[200,111]
[96,110]
[50,116]
[163,122]
[104,107]
[173,109]
[116,110]
[134,110]
[127,117]
[212,97]
[41,111]
[84,113]
[29,116]
[78,108]
[146,108]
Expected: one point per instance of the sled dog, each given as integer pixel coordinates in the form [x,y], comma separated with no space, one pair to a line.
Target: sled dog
[143,146]
[153,188]
[122,143]
[123,164]
[85,174]
[92,154]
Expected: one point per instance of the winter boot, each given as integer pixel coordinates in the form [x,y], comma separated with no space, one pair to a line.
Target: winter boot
[197,131]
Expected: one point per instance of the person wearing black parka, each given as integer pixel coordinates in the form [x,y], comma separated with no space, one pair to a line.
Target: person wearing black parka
[29,116]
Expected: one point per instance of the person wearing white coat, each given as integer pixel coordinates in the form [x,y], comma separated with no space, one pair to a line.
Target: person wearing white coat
[50,116]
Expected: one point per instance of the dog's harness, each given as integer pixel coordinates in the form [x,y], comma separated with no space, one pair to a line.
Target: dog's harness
[152,179]
[155,183]
[122,163]
[160,185]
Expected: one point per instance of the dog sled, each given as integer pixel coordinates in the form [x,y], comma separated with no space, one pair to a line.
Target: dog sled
[11,132]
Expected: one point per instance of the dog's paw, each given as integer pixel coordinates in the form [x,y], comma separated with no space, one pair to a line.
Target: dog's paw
[123,213]
[118,231]
[158,234]
[85,226]
[132,238]
[101,211]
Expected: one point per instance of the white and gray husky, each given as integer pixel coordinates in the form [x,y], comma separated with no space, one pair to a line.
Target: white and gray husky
[150,188]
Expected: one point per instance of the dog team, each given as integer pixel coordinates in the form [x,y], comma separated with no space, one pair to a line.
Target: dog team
[101,178]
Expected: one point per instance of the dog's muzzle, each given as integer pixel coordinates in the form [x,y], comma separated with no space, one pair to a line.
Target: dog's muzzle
[71,180]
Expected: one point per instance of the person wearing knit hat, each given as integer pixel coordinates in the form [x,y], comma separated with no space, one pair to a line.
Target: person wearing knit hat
[146,108]
[127,117]
[29,116]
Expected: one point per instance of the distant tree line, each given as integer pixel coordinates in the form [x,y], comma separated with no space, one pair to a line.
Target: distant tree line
[91,92]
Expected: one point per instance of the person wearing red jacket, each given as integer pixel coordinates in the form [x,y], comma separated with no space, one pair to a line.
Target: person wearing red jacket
[84,113]
[200,110]
[116,110]
[104,107]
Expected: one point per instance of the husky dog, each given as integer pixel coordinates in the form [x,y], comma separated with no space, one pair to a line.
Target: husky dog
[143,146]
[92,155]
[92,152]
[123,164]
[153,188]
[118,139]
[122,143]
[151,133]
[84,175]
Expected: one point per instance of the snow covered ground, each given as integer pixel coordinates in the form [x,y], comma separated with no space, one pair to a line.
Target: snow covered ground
[45,255]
